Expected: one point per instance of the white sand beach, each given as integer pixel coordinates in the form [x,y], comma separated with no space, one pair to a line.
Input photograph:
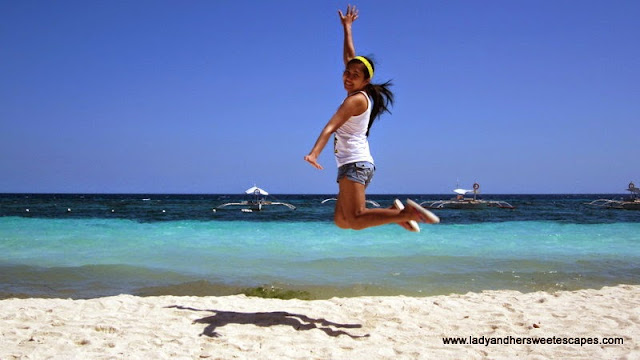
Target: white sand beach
[240,327]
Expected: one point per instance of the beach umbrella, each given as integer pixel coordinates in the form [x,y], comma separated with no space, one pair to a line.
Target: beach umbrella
[256,190]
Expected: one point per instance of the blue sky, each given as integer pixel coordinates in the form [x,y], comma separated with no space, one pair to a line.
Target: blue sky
[214,96]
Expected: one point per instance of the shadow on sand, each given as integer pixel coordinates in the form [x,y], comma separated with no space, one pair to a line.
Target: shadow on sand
[265,319]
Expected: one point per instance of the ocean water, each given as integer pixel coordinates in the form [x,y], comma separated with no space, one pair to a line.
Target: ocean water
[82,246]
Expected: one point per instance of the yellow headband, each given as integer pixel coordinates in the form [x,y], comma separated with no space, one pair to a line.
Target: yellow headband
[367,64]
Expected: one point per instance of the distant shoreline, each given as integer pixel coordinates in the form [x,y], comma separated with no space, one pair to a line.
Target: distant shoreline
[302,194]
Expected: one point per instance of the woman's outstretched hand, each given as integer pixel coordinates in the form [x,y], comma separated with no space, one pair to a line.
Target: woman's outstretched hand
[313,160]
[350,17]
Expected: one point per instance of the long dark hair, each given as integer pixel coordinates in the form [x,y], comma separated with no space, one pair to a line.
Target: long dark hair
[380,93]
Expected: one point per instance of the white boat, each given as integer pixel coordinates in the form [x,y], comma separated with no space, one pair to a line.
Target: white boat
[630,203]
[462,202]
[258,201]
[373,203]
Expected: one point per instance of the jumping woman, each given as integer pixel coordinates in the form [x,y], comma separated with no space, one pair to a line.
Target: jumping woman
[351,123]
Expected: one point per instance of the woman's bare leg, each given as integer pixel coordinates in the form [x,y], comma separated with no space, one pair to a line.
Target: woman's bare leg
[351,211]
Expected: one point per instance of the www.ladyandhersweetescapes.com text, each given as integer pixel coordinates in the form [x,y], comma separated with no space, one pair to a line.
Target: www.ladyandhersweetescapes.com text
[513,340]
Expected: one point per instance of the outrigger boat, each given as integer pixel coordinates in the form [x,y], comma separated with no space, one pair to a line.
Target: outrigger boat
[630,203]
[462,202]
[375,204]
[257,203]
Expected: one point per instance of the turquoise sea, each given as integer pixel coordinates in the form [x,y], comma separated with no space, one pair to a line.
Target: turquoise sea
[82,246]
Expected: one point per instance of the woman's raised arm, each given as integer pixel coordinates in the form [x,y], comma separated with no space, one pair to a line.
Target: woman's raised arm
[349,50]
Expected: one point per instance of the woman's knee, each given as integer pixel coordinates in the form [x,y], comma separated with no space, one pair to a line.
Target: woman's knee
[340,221]
[342,224]
[348,221]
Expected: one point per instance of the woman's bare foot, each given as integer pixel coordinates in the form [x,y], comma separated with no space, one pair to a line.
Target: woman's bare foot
[422,214]
[410,225]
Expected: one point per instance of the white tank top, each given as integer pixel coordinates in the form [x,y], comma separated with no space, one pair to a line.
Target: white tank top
[350,142]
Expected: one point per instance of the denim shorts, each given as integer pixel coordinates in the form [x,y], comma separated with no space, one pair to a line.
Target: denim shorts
[360,172]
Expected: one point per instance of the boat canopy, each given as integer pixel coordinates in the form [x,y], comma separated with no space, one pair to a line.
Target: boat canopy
[462,191]
[256,190]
